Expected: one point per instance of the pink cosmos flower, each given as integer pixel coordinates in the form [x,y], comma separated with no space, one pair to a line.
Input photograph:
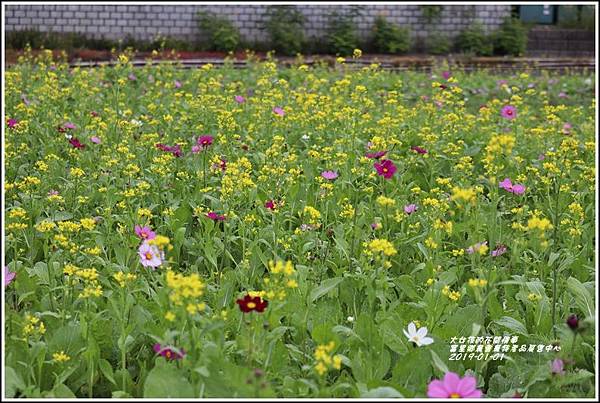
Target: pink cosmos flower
[215,217]
[239,99]
[69,125]
[410,208]
[446,74]
[419,150]
[453,386]
[509,112]
[132,77]
[150,256]
[270,204]
[566,130]
[475,248]
[76,143]
[52,192]
[329,175]
[177,84]
[387,169]
[168,353]
[12,123]
[144,233]
[95,140]
[557,367]
[9,276]
[278,111]
[562,95]
[499,251]
[507,185]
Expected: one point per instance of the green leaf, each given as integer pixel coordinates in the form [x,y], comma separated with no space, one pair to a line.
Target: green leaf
[438,363]
[326,286]
[382,391]
[12,382]
[583,298]
[512,324]
[62,390]
[107,370]
[167,381]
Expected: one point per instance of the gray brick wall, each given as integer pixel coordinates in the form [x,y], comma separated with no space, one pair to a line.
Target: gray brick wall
[146,21]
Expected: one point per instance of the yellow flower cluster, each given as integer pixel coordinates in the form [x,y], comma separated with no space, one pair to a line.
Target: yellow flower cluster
[33,326]
[282,276]
[452,295]
[467,195]
[474,282]
[382,246]
[385,201]
[348,210]
[123,278]
[325,360]
[313,215]
[237,178]
[186,289]
[60,357]
[89,278]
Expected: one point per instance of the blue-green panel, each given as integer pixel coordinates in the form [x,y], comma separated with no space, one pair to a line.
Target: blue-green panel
[537,14]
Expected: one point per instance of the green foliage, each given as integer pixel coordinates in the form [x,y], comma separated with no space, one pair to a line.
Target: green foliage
[438,43]
[474,40]
[510,38]
[285,29]
[431,13]
[221,33]
[389,37]
[342,37]
[55,40]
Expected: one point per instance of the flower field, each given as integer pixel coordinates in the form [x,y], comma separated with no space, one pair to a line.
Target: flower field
[311,231]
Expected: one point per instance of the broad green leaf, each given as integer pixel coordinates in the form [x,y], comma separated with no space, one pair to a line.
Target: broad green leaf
[325,287]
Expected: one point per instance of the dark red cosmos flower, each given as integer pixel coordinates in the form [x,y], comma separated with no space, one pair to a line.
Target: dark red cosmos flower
[387,169]
[168,353]
[94,114]
[573,322]
[76,143]
[270,204]
[376,155]
[215,217]
[443,87]
[419,150]
[249,304]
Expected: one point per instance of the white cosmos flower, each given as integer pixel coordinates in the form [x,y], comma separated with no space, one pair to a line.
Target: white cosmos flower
[419,337]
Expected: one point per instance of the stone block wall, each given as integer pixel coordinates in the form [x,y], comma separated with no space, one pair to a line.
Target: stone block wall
[144,22]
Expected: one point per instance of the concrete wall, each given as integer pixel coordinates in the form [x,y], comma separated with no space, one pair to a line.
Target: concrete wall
[146,21]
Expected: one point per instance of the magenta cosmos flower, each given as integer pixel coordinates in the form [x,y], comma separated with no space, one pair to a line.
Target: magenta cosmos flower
[215,217]
[509,112]
[446,74]
[150,256]
[74,141]
[376,155]
[410,208]
[270,204]
[453,386]
[278,111]
[240,99]
[144,233]
[329,175]
[507,185]
[419,150]
[202,143]
[387,169]
[9,276]
[168,352]
[12,123]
